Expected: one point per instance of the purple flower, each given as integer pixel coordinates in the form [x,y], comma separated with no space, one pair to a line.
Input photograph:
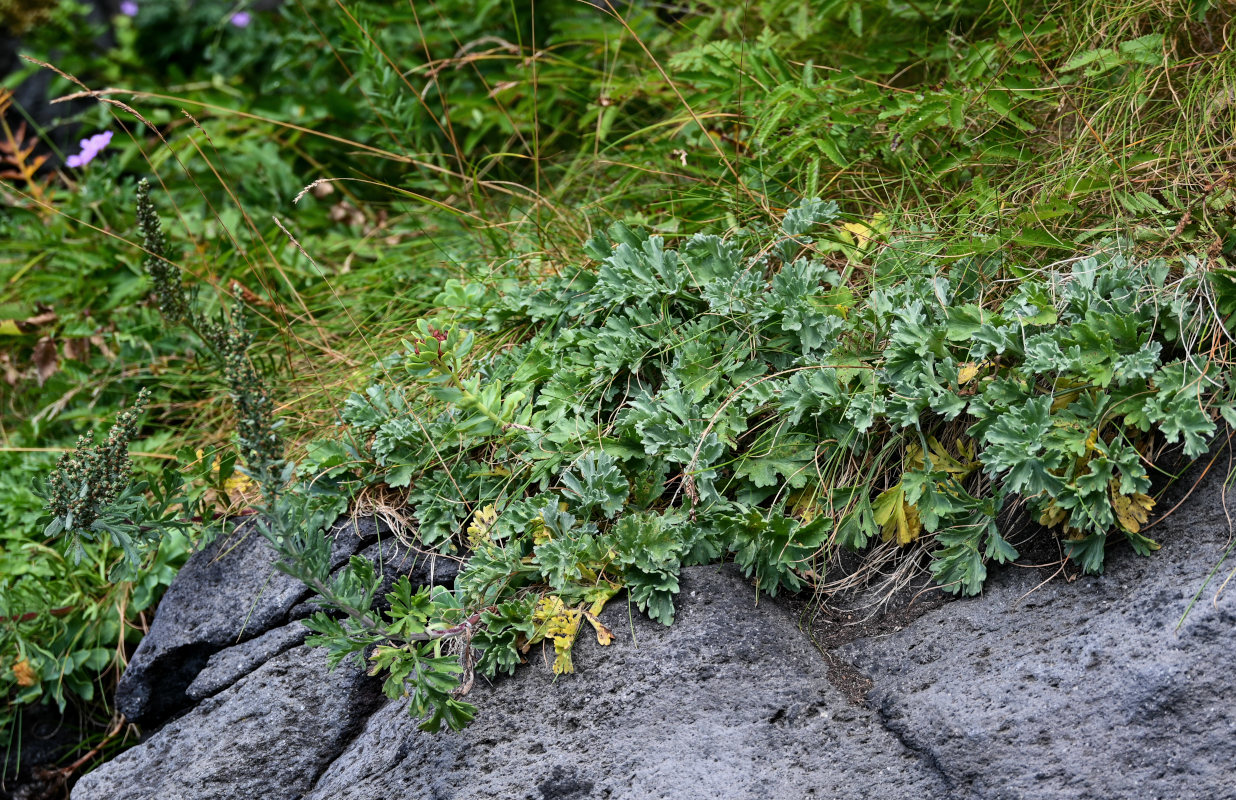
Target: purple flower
[241,19]
[128,8]
[90,149]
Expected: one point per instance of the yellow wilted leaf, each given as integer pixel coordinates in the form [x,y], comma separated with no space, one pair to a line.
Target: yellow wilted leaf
[967,372]
[539,534]
[24,673]
[804,504]
[482,522]
[941,459]
[1067,393]
[605,637]
[1132,510]
[239,482]
[1052,515]
[563,665]
[860,231]
[863,235]
[561,624]
[864,232]
[898,519]
[600,594]
[21,327]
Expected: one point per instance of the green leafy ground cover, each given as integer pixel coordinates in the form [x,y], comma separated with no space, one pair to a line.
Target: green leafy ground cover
[562,298]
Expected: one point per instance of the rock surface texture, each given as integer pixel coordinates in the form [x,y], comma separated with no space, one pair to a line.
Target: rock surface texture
[229,610]
[266,736]
[227,593]
[733,701]
[1089,688]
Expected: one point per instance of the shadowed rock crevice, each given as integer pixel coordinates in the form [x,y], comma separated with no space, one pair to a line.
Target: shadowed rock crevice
[565,783]
[896,727]
[227,666]
[159,697]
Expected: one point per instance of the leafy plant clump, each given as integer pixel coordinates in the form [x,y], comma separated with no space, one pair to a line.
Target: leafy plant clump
[64,622]
[748,398]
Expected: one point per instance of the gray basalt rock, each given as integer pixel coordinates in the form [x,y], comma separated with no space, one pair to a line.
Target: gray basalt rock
[732,701]
[227,666]
[268,736]
[227,593]
[1087,687]
[1090,688]
[394,560]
